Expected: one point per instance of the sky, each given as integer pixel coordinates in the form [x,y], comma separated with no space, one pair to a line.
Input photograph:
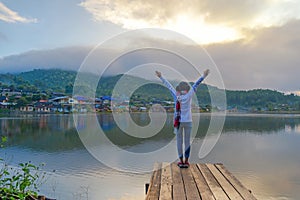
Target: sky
[254,43]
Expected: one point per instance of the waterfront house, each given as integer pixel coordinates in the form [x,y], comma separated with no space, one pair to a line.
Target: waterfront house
[80,100]
[4,102]
[62,104]
[60,100]
[3,99]
[42,106]
[27,108]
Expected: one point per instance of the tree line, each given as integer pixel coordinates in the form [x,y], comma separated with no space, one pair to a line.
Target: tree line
[42,83]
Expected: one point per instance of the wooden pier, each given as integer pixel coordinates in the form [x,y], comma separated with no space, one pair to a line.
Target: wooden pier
[199,181]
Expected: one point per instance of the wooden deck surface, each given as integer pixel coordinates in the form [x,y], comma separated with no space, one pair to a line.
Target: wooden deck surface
[199,181]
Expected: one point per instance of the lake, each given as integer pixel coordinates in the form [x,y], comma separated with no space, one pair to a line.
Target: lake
[262,151]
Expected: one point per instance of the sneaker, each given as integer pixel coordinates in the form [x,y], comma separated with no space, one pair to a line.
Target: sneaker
[180,164]
[186,165]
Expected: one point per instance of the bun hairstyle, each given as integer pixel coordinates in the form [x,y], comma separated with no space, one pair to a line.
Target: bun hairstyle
[183,86]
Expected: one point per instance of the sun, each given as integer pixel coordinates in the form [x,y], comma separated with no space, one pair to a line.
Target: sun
[200,31]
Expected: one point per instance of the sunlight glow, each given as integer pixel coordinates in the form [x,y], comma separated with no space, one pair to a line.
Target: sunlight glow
[201,32]
[192,27]
[297,93]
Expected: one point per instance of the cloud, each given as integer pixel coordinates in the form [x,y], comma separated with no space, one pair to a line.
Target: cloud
[269,60]
[131,14]
[68,58]
[204,21]
[11,16]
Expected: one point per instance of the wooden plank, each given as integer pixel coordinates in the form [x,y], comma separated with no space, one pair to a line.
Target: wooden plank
[166,182]
[154,188]
[244,192]
[212,183]
[191,189]
[178,187]
[203,188]
[199,181]
[226,186]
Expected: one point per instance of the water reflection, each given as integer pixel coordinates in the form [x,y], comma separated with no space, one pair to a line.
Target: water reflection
[41,133]
[261,123]
[58,133]
[267,164]
[261,150]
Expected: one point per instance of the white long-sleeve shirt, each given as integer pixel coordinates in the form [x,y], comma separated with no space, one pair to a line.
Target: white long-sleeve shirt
[185,100]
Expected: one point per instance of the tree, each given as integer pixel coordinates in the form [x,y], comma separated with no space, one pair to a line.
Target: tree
[69,88]
[12,87]
[36,97]
[298,106]
[22,102]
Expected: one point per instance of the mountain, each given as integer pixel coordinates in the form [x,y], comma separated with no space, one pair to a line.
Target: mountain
[52,79]
[55,80]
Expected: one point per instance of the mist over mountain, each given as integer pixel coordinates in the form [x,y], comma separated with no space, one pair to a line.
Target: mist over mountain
[67,58]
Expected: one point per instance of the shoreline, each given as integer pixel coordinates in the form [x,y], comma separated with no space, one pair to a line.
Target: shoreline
[17,113]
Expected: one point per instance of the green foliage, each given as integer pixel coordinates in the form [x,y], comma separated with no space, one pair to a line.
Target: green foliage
[4,111]
[263,98]
[12,81]
[36,97]
[22,102]
[50,80]
[19,183]
[3,140]
[69,88]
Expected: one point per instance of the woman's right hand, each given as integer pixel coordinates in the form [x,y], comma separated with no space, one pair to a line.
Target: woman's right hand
[158,74]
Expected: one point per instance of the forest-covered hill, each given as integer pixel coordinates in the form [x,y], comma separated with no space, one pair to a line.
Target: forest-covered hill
[55,80]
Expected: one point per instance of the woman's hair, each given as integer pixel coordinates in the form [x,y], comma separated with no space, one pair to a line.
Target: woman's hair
[183,86]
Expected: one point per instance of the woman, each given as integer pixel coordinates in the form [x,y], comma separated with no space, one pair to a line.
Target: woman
[183,114]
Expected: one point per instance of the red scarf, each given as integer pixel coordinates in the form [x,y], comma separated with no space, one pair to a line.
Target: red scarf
[177,117]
